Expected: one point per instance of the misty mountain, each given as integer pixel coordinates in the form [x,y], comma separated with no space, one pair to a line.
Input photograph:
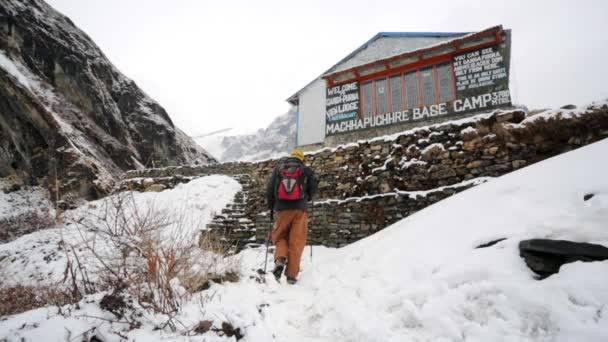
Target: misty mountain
[271,142]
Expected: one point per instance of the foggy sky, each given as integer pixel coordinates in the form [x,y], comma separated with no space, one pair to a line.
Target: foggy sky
[220,64]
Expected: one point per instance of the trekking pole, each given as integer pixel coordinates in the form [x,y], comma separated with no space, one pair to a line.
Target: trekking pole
[312,213]
[268,239]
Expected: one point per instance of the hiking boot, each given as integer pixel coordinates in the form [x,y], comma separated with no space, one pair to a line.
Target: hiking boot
[291,281]
[279,266]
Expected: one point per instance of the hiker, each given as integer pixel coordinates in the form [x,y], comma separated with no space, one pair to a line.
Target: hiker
[290,186]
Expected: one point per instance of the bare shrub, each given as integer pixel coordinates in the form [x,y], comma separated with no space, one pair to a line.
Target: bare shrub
[212,241]
[149,253]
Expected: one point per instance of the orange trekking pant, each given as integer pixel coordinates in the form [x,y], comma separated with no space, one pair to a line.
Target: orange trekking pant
[289,236]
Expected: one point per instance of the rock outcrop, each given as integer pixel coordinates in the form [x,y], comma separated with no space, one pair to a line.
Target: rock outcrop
[545,256]
[69,120]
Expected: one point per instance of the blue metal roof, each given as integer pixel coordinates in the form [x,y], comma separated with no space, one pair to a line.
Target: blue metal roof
[385,34]
[420,34]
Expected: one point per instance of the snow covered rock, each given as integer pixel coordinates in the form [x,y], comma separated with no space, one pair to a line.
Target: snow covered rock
[66,111]
[546,256]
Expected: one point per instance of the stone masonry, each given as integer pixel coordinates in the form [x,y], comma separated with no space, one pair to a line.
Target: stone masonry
[336,223]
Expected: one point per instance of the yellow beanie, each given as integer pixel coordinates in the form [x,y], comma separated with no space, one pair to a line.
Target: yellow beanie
[298,154]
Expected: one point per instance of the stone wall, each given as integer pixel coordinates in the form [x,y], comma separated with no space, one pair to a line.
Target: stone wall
[338,223]
[368,185]
[232,168]
[444,154]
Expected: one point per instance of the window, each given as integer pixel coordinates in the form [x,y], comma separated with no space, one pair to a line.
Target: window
[396,100]
[411,90]
[427,86]
[366,96]
[446,83]
[381,96]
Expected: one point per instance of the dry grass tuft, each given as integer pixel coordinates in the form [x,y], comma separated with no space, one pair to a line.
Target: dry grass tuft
[20,298]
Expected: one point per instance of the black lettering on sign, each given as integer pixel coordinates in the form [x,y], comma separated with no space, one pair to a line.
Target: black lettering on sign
[479,69]
[342,102]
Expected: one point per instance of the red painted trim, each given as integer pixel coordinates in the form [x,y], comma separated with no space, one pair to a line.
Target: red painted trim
[403,94]
[389,96]
[373,98]
[360,101]
[419,88]
[453,81]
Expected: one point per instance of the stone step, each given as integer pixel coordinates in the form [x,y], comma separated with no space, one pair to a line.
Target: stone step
[233,209]
[229,223]
[234,223]
[229,212]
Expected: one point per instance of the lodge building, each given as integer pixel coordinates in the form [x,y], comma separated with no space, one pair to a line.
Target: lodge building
[399,80]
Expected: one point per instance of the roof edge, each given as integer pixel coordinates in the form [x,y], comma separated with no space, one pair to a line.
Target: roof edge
[472,35]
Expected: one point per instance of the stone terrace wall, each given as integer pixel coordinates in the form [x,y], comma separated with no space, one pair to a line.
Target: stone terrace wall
[430,157]
[422,159]
[339,223]
[230,169]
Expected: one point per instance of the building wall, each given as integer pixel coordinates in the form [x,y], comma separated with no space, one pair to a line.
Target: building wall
[457,83]
[311,119]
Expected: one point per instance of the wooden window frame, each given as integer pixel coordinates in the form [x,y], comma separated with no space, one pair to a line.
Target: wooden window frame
[416,67]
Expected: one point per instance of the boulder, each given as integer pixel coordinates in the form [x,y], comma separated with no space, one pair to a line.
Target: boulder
[545,257]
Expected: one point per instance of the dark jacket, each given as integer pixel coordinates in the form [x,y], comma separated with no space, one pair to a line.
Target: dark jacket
[310,189]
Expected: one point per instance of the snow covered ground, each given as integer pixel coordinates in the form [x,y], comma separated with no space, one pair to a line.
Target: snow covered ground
[421,279]
[22,201]
[23,211]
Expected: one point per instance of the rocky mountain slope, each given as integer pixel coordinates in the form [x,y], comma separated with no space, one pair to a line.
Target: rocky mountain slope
[67,114]
[275,140]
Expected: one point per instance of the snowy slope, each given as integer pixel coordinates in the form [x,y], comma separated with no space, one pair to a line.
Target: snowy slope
[273,141]
[420,279]
[37,258]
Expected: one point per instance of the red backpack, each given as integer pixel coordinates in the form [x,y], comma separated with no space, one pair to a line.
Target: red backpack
[290,182]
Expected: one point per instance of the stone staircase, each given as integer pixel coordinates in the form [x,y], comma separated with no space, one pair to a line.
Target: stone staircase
[232,225]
